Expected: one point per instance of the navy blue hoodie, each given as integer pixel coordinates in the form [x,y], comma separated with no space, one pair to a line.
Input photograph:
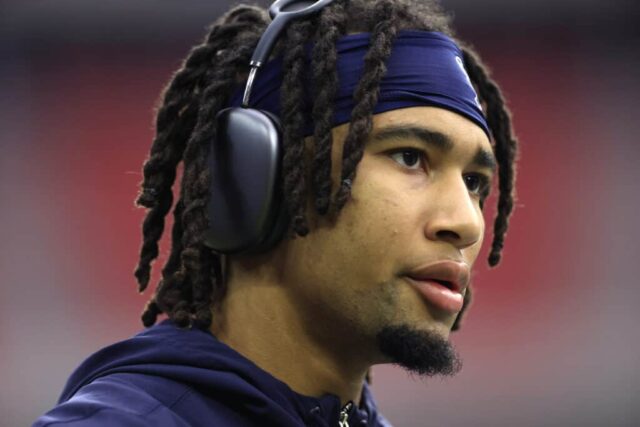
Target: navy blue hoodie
[166,376]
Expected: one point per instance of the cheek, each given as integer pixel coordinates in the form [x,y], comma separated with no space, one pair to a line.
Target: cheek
[362,248]
[381,216]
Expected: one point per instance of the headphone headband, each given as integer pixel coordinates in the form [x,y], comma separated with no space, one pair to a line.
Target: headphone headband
[282,12]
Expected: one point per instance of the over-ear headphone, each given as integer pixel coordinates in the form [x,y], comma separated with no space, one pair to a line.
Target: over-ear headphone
[246,209]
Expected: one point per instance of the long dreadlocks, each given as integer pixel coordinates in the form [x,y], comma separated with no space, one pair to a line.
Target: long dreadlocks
[192,276]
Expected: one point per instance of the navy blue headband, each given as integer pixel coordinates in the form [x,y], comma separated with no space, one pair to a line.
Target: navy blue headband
[425,69]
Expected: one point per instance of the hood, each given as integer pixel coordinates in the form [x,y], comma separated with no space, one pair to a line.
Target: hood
[198,359]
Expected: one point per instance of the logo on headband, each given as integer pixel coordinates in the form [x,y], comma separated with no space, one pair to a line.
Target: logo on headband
[466,76]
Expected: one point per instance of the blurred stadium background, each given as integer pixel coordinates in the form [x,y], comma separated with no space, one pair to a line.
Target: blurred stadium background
[552,339]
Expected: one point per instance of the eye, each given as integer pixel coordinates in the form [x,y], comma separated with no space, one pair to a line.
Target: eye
[477,184]
[411,158]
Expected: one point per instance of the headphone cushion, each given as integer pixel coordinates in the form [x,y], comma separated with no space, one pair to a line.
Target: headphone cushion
[245,207]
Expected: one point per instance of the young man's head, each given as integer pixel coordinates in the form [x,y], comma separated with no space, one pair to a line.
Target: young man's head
[377,202]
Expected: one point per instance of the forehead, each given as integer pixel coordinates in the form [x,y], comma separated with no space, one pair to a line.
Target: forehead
[459,130]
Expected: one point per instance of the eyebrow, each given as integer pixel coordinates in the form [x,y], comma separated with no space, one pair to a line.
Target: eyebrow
[482,158]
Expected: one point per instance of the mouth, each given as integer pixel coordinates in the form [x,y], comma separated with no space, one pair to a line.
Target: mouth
[441,283]
[439,293]
[449,285]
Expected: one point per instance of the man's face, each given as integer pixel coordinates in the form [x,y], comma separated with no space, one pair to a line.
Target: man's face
[413,203]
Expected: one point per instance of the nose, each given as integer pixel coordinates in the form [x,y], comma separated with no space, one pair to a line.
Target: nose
[454,215]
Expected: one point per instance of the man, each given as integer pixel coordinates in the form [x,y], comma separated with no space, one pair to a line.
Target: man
[375,96]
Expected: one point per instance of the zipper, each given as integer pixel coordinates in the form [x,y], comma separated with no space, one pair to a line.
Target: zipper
[344,415]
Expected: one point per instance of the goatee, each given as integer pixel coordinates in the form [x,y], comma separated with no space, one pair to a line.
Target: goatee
[425,353]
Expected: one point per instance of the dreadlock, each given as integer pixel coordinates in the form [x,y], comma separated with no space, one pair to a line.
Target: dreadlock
[210,70]
[191,278]
[505,147]
[366,93]
[293,122]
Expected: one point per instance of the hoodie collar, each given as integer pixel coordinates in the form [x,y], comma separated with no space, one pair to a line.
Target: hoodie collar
[198,358]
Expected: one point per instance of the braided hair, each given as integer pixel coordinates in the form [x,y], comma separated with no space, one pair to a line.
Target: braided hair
[192,276]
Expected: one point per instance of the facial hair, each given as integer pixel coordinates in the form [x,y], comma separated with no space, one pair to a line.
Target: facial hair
[418,351]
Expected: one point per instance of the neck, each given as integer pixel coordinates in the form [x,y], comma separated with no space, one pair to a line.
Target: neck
[261,321]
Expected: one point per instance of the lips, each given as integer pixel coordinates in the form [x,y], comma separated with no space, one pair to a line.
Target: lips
[442,283]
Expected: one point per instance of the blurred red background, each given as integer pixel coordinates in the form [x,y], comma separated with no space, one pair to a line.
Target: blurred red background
[551,338]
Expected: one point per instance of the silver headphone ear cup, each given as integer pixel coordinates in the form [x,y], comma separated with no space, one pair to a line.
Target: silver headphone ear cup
[245,205]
